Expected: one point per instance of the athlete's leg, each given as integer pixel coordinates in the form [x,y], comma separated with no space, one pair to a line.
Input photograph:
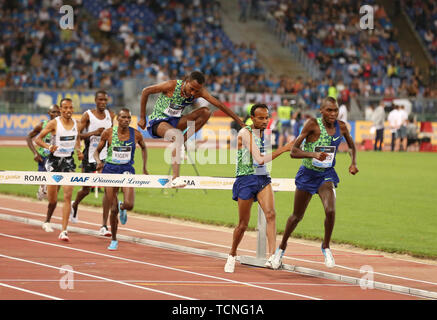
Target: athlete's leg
[199,117]
[66,208]
[52,197]
[82,193]
[266,201]
[128,199]
[106,205]
[170,133]
[111,193]
[327,195]
[301,200]
[244,207]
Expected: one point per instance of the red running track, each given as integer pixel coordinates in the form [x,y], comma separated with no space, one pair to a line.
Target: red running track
[34,264]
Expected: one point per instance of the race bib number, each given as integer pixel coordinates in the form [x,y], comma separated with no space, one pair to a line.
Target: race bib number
[174,110]
[94,142]
[121,155]
[66,146]
[327,163]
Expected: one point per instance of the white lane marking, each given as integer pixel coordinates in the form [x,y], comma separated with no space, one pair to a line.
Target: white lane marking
[30,291]
[94,276]
[251,251]
[159,266]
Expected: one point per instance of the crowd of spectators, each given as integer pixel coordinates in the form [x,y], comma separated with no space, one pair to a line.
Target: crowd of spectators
[158,40]
[368,62]
[155,40]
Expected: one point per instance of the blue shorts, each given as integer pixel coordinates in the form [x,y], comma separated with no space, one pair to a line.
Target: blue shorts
[42,164]
[118,168]
[247,187]
[311,180]
[153,125]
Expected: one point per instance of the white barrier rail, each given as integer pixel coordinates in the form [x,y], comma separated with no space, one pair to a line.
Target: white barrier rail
[147,181]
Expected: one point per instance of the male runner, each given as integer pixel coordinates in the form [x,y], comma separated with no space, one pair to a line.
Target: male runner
[65,140]
[121,141]
[175,96]
[93,122]
[321,138]
[40,154]
[253,182]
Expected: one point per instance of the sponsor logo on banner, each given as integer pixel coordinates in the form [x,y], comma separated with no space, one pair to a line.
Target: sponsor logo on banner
[57,177]
[190,182]
[163,182]
[34,178]
[5,177]
[79,179]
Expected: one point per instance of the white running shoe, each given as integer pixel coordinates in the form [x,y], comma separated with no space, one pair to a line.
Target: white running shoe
[41,194]
[47,227]
[277,259]
[105,232]
[63,236]
[230,264]
[329,258]
[178,183]
[73,214]
[268,263]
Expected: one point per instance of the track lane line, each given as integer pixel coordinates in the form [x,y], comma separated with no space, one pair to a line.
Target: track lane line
[157,266]
[30,291]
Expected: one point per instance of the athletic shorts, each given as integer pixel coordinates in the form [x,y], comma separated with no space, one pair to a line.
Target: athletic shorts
[247,187]
[153,125]
[311,180]
[42,164]
[118,168]
[60,164]
[402,132]
[88,167]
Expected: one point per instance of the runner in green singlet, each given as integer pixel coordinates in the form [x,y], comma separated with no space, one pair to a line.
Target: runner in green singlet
[175,96]
[39,153]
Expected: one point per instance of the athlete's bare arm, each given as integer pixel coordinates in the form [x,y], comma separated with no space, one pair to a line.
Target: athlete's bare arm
[215,102]
[140,140]
[103,139]
[50,128]
[308,129]
[29,140]
[350,142]
[163,87]
[245,139]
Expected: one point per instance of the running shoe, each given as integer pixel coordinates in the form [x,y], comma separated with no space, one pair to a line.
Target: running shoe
[114,245]
[104,231]
[123,213]
[177,183]
[329,258]
[277,259]
[63,236]
[40,195]
[47,227]
[230,264]
[268,263]
[73,214]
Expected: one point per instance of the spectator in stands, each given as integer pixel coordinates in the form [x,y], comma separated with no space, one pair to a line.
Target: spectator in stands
[378,118]
[394,122]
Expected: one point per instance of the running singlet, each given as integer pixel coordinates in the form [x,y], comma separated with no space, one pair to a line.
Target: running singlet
[93,141]
[171,107]
[42,151]
[246,165]
[64,139]
[325,143]
[121,152]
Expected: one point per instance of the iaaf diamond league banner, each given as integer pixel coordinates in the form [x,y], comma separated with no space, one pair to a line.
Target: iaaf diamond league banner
[125,180]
